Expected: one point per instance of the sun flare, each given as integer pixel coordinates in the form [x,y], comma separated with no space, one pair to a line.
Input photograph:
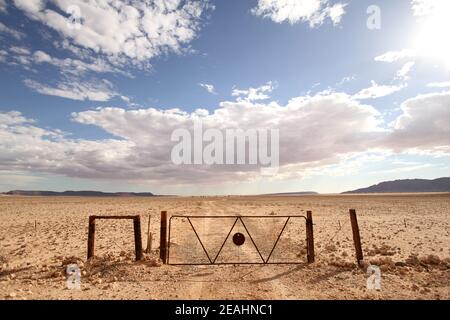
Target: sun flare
[431,39]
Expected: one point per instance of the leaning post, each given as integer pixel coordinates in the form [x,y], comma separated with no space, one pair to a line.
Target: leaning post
[356,237]
[149,235]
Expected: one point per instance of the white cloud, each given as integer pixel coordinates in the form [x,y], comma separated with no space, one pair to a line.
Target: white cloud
[12,118]
[126,99]
[392,56]
[209,87]
[346,79]
[14,33]
[444,84]
[336,12]
[426,7]
[254,94]
[19,50]
[377,91]
[72,89]
[314,12]
[3,55]
[72,84]
[73,66]
[28,147]
[122,31]
[403,73]
[70,65]
[114,37]
[424,124]
[142,147]
[23,56]
[3,6]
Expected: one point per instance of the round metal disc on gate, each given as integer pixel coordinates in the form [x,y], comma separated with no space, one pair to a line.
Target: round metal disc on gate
[238,239]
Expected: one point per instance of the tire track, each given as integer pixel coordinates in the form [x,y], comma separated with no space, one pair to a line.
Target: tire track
[248,282]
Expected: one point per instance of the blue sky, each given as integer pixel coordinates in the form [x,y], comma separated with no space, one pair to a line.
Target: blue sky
[90,107]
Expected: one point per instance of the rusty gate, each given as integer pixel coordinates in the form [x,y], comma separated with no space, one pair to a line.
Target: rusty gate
[239,238]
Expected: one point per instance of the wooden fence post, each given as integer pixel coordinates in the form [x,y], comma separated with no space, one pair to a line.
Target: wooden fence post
[309,237]
[163,237]
[91,237]
[149,235]
[356,237]
[137,237]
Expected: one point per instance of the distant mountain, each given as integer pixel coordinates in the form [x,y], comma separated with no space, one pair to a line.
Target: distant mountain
[408,185]
[78,193]
[303,193]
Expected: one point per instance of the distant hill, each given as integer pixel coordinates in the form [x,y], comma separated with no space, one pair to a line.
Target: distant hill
[408,185]
[303,193]
[78,193]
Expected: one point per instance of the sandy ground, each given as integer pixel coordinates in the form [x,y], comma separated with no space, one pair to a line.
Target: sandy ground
[407,236]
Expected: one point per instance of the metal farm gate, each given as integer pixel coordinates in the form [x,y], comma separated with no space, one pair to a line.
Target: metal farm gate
[238,238]
[261,234]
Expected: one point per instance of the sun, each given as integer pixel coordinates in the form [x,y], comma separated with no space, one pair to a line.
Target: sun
[432,37]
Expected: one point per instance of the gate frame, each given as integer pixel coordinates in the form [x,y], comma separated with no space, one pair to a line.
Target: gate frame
[166,247]
[137,233]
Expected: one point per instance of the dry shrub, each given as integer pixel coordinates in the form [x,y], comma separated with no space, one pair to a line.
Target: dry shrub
[151,260]
[383,261]
[102,266]
[383,250]
[65,261]
[3,264]
[413,260]
[342,264]
[112,268]
[431,259]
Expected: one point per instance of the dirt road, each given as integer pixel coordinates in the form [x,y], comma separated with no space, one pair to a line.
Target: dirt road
[205,285]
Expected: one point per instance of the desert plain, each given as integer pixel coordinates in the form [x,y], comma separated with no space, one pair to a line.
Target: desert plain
[407,236]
